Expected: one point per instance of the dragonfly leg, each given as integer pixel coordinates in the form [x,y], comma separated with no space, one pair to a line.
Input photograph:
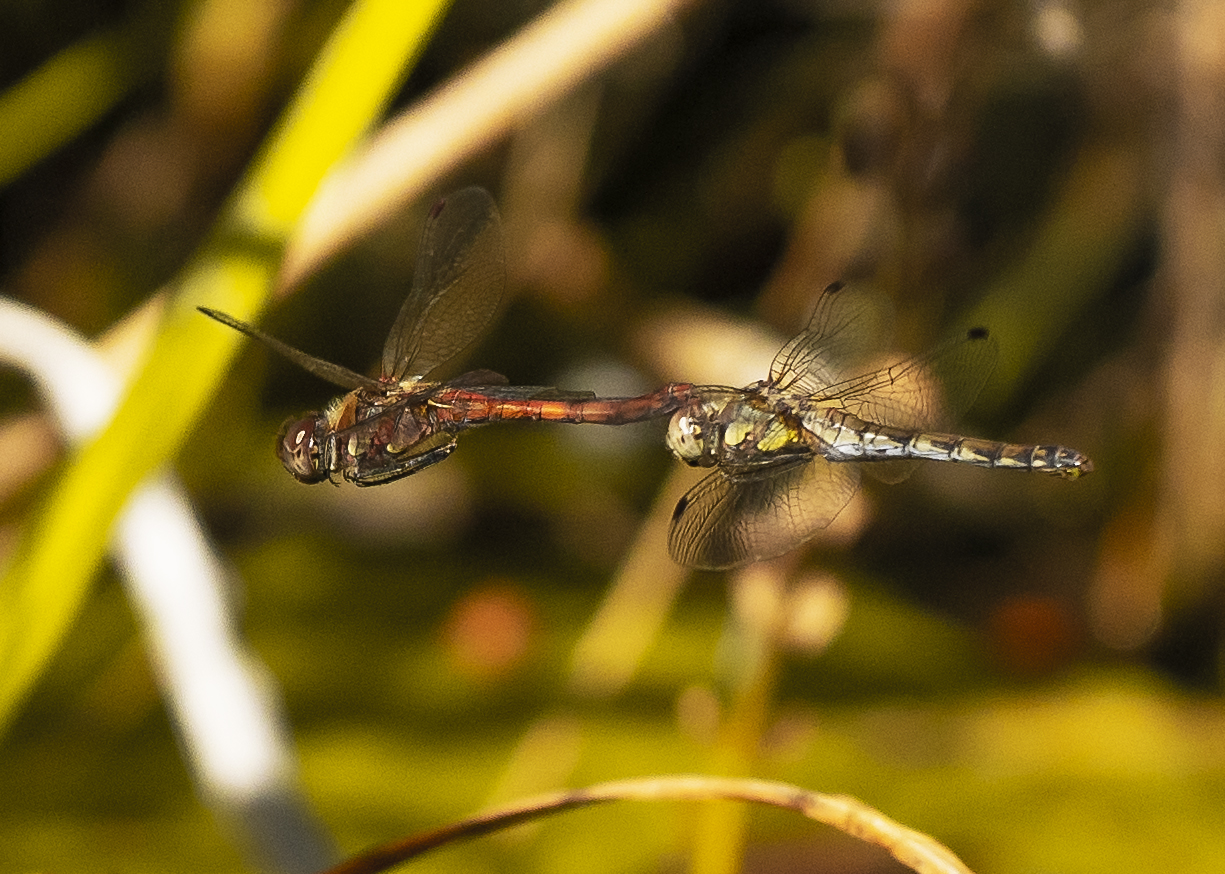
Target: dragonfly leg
[406,466]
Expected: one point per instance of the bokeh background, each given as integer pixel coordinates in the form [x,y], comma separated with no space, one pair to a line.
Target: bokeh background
[1028,669]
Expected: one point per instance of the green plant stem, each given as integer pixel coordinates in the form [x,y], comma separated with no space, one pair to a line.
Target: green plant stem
[719,837]
[361,66]
[64,96]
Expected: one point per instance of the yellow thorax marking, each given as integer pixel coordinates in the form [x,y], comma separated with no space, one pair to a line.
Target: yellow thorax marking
[777,436]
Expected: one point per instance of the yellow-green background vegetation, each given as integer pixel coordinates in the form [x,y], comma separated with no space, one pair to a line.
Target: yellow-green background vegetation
[1027,669]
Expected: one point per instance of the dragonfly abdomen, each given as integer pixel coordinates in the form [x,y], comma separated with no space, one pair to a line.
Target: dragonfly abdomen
[465,407]
[1056,460]
[843,437]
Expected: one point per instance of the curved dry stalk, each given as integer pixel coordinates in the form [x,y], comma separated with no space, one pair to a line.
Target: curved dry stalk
[567,45]
[913,849]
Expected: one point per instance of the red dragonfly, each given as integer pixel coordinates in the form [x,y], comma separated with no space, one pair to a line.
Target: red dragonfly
[388,428]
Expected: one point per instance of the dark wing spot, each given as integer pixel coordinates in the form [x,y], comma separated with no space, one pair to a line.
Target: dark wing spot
[834,287]
[436,209]
[680,507]
[977,334]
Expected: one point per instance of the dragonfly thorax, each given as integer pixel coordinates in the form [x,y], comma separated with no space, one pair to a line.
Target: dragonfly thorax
[734,431]
[298,448]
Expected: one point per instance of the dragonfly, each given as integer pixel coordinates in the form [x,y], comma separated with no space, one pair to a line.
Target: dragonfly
[787,451]
[399,424]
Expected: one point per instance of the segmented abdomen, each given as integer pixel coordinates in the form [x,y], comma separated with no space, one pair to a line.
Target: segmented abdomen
[466,407]
[843,437]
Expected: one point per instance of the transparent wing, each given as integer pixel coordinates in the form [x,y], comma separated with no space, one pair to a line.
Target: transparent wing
[925,393]
[333,373]
[478,378]
[825,363]
[528,393]
[928,391]
[845,329]
[727,521]
[457,285]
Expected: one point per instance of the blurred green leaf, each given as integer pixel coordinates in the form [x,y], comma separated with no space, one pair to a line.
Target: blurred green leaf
[358,71]
[63,97]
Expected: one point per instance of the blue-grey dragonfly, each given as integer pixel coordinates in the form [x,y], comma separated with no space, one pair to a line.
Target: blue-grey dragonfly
[788,450]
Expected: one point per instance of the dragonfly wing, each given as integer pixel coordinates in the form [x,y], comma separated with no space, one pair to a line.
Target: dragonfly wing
[333,373]
[727,521]
[845,329]
[890,472]
[457,285]
[478,377]
[928,391]
[529,393]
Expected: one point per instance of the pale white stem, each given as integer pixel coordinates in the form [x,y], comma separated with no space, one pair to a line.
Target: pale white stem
[227,711]
[573,41]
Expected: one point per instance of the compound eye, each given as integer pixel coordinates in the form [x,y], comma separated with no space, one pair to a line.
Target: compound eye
[299,452]
[685,439]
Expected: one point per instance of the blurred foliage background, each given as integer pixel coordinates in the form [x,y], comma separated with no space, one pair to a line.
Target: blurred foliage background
[1025,668]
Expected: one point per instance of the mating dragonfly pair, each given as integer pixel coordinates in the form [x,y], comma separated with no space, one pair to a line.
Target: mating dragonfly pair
[786,451]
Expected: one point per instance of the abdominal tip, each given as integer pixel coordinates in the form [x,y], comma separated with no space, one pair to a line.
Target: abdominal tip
[1077,468]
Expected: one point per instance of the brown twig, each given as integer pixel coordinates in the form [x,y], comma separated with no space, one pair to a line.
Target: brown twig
[913,849]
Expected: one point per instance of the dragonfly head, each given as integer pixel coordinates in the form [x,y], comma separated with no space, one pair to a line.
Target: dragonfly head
[693,437]
[298,449]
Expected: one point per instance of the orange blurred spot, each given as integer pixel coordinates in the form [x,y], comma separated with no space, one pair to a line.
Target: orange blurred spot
[1032,634]
[490,629]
